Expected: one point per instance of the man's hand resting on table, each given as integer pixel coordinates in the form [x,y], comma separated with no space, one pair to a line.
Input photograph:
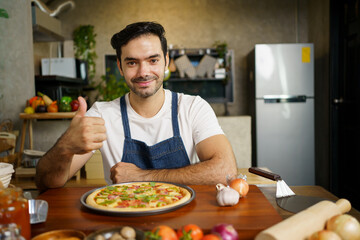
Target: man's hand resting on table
[126,172]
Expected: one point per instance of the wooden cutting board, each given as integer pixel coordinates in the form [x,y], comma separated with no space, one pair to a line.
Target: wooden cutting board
[251,215]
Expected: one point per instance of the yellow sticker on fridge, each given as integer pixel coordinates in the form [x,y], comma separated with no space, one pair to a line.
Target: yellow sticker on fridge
[305,55]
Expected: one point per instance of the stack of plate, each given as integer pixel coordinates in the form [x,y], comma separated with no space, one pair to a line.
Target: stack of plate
[6,171]
[31,158]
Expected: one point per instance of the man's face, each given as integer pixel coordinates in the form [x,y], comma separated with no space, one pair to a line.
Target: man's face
[143,65]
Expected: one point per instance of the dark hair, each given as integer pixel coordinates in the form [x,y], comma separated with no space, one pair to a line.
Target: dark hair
[135,30]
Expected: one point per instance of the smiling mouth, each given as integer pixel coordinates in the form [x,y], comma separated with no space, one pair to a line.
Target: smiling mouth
[144,82]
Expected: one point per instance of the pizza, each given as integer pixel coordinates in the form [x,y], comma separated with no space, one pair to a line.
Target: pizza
[138,196]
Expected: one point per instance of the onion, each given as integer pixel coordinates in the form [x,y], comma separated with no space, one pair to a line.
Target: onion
[324,235]
[240,185]
[346,226]
[226,231]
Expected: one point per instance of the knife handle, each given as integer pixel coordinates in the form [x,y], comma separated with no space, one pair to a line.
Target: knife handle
[264,173]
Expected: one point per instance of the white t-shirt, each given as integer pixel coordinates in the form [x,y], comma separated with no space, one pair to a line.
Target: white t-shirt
[197,121]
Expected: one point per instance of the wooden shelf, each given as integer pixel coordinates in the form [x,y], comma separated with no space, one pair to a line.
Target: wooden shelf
[27,121]
[41,34]
[178,79]
[55,79]
[25,172]
[47,115]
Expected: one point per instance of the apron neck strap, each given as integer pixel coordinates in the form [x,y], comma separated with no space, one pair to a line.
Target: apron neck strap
[124,117]
[174,113]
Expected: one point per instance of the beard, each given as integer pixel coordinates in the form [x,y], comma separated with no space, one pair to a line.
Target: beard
[147,91]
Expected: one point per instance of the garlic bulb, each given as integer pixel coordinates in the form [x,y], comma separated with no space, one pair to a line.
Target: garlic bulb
[226,196]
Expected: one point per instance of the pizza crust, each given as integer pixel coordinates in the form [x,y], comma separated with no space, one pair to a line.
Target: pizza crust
[91,202]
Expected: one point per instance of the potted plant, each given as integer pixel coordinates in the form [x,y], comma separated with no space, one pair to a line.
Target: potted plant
[222,51]
[3,13]
[221,48]
[111,88]
[84,46]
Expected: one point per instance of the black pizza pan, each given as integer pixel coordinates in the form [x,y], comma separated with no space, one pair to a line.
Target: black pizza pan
[136,213]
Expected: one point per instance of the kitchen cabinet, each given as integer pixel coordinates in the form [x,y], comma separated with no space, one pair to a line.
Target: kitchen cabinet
[48,29]
[212,89]
[45,28]
[57,86]
[41,34]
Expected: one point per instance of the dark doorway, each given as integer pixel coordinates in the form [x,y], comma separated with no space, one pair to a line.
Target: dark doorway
[345,97]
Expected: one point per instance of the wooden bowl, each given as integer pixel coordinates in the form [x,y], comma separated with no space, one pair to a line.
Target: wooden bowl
[65,234]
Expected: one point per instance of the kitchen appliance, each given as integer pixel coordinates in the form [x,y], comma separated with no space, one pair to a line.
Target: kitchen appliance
[65,67]
[282,109]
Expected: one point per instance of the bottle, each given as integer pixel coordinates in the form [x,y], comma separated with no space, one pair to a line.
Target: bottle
[14,209]
[10,232]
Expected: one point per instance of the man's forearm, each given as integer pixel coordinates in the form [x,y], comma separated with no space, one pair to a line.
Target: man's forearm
[84,135]
[207,172]
[217,161]
[53,168]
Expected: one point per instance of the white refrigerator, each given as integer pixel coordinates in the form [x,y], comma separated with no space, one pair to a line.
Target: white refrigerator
[283,110]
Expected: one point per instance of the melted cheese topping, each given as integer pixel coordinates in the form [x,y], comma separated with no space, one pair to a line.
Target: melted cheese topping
[143,195]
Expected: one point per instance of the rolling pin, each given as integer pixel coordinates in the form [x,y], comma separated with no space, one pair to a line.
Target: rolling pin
[303,224]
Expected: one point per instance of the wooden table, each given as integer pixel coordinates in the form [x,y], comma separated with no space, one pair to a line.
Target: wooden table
[254,178]
[251,215]
[66,211]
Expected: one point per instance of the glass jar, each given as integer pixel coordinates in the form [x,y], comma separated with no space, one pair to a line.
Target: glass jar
[14,208]
[10,232]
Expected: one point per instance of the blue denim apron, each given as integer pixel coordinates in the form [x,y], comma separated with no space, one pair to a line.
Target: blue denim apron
[169,153]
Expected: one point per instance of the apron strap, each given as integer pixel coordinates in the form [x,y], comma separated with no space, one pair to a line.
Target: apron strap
[124,117]
[174,113]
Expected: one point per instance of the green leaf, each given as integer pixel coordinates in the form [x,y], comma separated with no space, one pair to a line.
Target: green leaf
[3,13]
[84,46]
[107,202]
[111,188]
[186,235]
[111,88]
[153,235]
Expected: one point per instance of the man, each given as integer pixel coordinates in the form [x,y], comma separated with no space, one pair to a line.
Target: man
[150,134]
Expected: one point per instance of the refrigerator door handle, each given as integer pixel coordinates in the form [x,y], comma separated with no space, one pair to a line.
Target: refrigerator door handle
[284,98]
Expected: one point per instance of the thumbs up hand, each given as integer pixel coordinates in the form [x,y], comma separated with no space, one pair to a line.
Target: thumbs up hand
[85,133]
[82,107]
